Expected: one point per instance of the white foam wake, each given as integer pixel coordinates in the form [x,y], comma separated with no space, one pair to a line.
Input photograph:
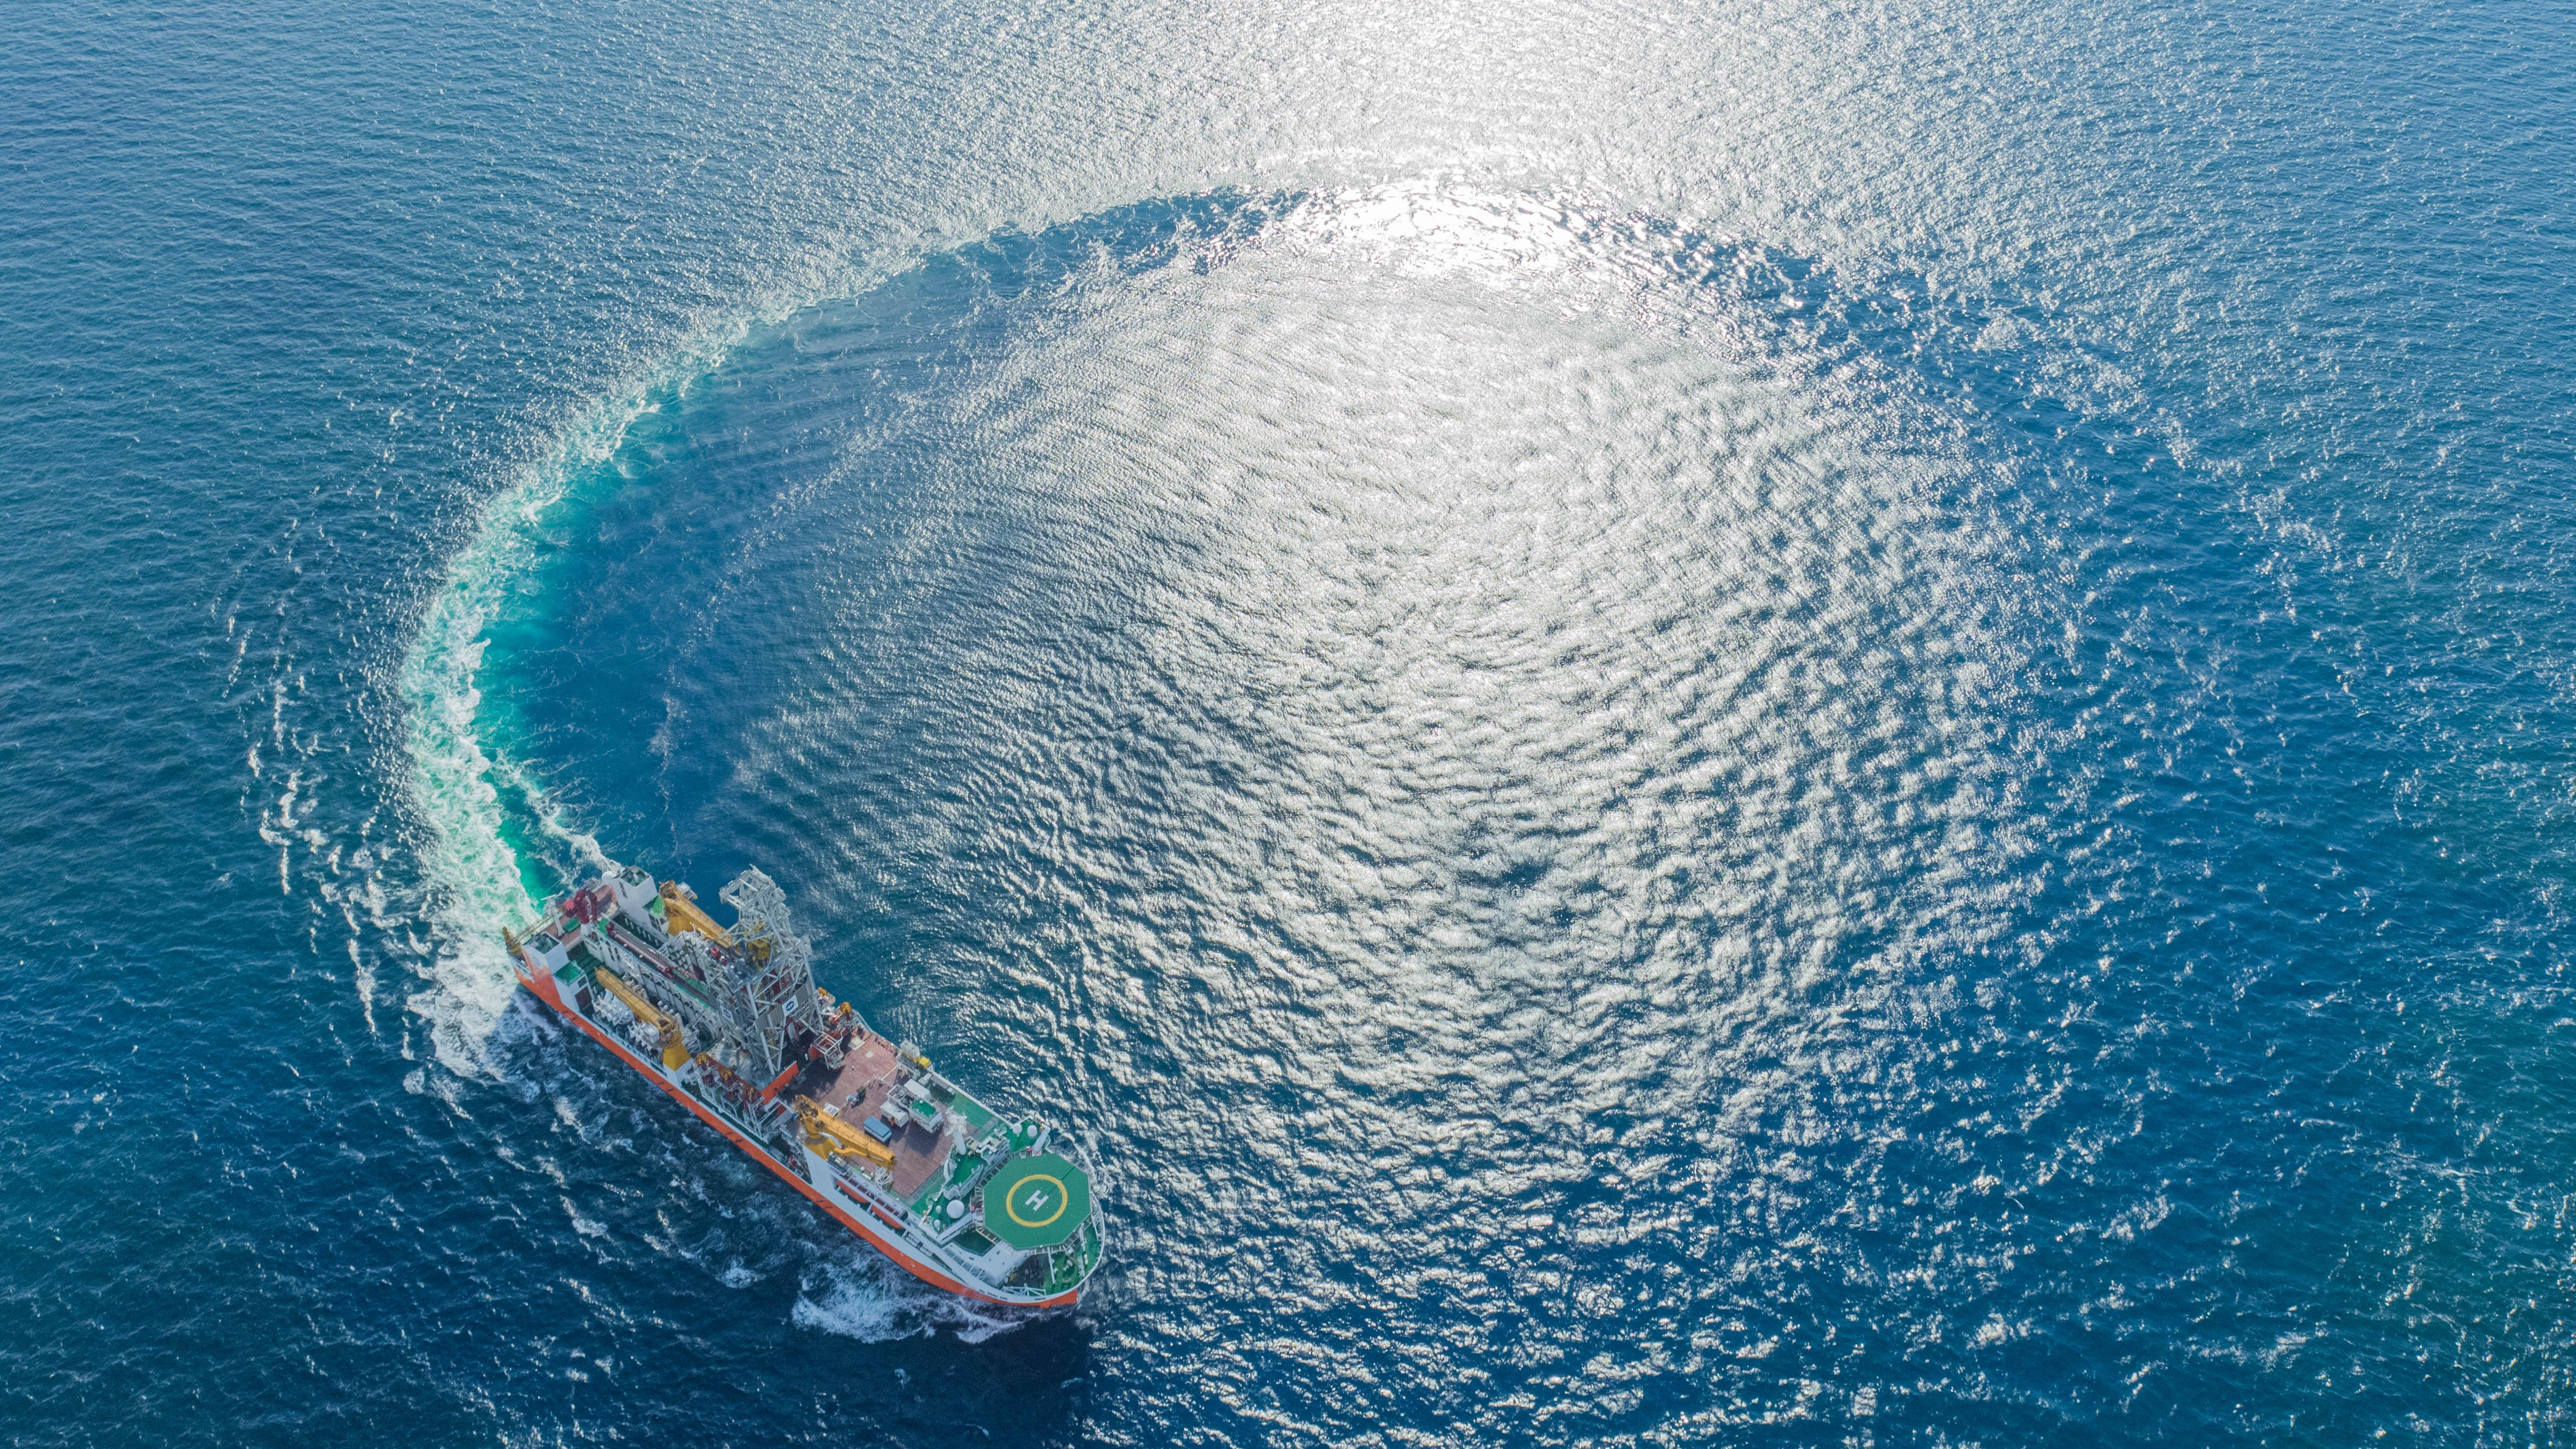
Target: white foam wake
[473,875]
[863,1296]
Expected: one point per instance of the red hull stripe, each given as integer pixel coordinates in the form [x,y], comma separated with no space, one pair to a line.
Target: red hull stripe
[926,1275]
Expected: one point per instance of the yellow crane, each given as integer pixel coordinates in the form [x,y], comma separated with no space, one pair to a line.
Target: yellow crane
[675,1050]
[683,915]
[829,1136]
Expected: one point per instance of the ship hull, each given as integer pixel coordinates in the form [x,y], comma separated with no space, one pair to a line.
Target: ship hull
[542,988]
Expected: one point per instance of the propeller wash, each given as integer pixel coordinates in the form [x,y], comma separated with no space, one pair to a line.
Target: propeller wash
[728,1020]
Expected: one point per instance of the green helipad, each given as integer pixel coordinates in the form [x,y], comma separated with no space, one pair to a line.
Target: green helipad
[1037,1202]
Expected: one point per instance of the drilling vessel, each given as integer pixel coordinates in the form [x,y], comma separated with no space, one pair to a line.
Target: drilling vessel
[729,1022]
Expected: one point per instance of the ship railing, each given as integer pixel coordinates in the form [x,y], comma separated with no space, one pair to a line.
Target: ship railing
[515,936]
[868,1192]
[1073,1263]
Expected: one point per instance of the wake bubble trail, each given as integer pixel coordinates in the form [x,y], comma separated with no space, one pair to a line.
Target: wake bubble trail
[474,876]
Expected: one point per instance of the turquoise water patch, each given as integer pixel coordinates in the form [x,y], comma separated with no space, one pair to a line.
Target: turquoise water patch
[1669,727]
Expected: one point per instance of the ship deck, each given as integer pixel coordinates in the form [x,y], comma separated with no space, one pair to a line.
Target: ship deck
[864,1086]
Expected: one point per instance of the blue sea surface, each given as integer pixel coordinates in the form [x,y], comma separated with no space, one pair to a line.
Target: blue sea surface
[1786,723]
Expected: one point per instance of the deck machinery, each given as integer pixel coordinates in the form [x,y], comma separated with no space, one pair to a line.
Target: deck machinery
[728,1020]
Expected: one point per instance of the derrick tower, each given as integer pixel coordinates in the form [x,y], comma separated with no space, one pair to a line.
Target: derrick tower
[773,972]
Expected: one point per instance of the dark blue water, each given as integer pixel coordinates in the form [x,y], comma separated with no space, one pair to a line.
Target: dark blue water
[1763,725]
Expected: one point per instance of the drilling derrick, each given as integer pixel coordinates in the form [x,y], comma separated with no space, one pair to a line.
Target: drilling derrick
[774,968]
[726,1020]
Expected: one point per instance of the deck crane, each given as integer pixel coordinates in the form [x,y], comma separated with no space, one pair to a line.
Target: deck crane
[830,1137]
[675,1049]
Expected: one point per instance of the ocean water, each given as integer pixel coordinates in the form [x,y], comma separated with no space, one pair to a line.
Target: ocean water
[1759,724]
